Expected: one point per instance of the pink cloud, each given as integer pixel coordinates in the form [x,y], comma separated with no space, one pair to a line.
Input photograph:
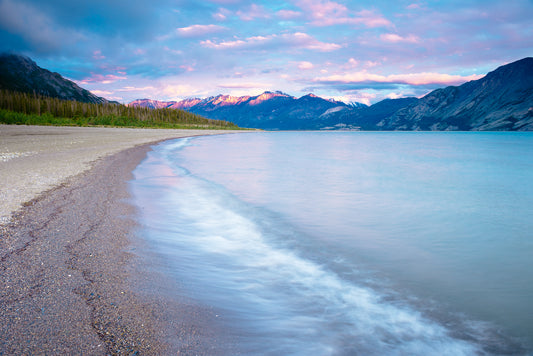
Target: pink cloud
[413,6]
[303,40]
[288,14]
[395,38]
[222,14]
[199,30]
[304,65]
[187,68]
[360,97]
[410,78]
[293,40]
[101,92]
[254,12]
[352,63]
[102,79]
[248,85]
[132,89]
[328,13]
[98,55]
[231,44]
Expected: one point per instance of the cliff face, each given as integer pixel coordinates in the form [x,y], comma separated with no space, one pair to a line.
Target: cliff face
[19,73]
[502,100]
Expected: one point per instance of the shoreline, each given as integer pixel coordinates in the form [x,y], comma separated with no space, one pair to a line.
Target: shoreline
[35,159]
[73,283]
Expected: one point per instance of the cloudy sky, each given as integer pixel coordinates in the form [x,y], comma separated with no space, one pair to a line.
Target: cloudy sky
[364,50]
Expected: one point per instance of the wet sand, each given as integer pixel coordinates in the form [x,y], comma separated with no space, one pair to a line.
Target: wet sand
[73,280]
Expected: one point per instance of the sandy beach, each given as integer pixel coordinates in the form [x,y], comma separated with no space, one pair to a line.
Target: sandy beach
[72,282]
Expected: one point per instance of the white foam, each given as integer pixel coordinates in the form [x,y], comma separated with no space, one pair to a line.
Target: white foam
[288,294]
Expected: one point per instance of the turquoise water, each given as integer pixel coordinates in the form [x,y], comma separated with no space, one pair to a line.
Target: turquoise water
[343,243]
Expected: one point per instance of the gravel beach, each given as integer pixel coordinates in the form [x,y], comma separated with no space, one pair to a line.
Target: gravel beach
[34,159]
[72,281]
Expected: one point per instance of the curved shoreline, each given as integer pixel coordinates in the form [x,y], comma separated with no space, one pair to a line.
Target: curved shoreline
[71,282]
[34,159]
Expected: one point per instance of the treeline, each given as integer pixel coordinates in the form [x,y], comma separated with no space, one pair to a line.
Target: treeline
[34,109]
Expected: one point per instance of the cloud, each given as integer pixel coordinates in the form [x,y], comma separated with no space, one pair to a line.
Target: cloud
[98,55]
[253,12]
[288,14]
[226,2]
[222,14]
[413,6]
[241,85]
[394,96]
[179,90]
[249,42]
[305,65]
[102,79]
[101,92]
[199,30]
[395,38]
[352,63]
[410,78]
[292,40]
[329,13]
[37,29]
[133,89]
[357,97]
[306,41]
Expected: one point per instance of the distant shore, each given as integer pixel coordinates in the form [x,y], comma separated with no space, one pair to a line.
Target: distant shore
[72,283]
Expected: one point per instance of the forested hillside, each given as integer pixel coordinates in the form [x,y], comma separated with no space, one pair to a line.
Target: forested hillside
[34,109]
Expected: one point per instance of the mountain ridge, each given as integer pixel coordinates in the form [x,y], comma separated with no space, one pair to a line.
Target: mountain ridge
[501,100]
[21,74]
[272,110]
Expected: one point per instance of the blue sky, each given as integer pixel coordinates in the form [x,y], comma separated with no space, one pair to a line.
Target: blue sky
[361,51]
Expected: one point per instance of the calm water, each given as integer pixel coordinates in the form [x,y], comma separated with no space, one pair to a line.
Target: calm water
[348,243]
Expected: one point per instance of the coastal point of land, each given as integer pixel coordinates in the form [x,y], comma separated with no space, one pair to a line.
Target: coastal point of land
[71,278]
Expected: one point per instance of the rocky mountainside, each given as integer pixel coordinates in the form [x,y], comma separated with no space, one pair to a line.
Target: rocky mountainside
[19,73]
[502,100]
[270,110]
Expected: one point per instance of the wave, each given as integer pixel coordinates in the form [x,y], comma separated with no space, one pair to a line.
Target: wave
[239,259]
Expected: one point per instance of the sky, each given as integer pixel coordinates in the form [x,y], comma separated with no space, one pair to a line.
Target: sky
[354,51]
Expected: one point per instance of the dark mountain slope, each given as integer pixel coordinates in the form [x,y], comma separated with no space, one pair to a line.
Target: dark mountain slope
[502,100]
[21,74]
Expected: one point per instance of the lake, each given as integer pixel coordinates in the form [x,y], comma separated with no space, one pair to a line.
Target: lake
[347,243]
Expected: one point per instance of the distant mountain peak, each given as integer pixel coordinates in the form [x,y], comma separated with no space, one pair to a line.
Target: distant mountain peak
[502,100]
[267,95]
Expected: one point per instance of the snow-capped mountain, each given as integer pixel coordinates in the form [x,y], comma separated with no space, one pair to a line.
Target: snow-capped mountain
[502,100]
[269,110]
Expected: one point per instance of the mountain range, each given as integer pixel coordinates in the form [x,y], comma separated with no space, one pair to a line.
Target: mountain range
[502,100]
[270,110]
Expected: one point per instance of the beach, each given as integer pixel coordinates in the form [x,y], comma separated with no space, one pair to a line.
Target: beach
[72,282]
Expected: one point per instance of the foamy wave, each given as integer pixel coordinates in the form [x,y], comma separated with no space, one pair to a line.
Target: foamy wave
[298,300]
